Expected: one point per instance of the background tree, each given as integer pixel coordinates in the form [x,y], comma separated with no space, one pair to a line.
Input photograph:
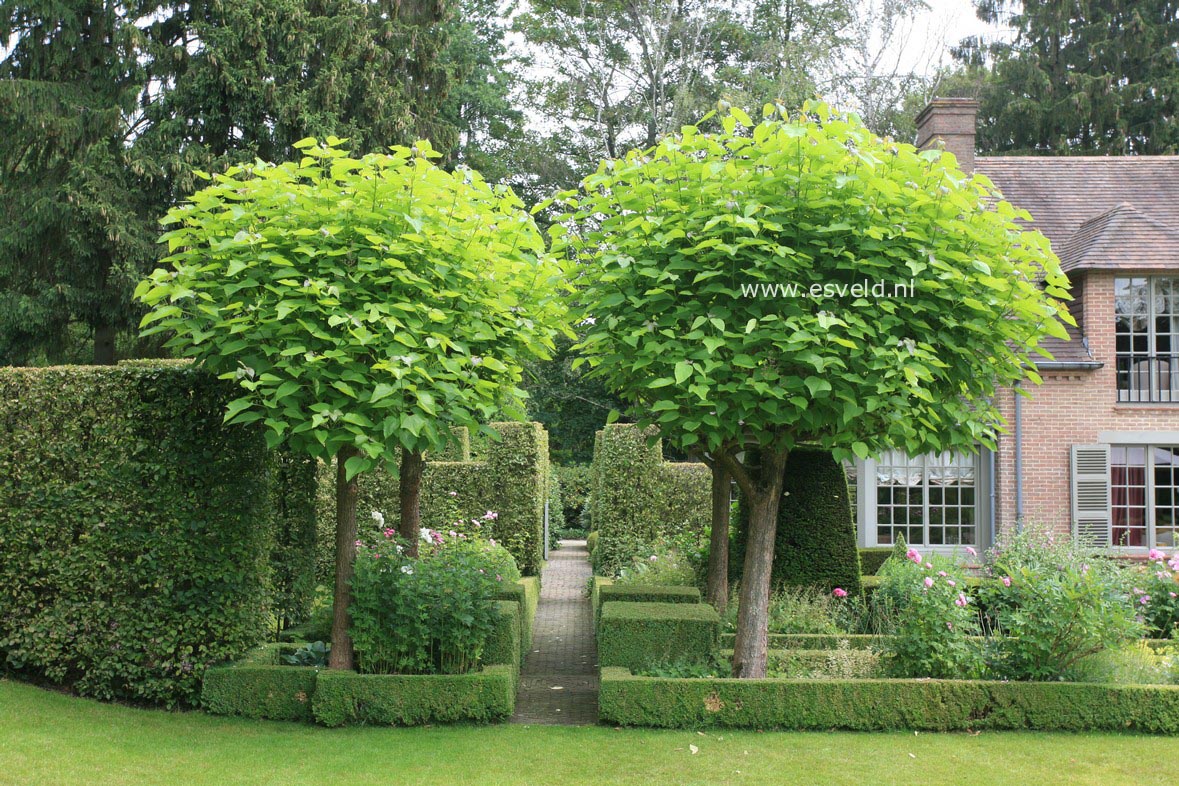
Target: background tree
[1096,76]
[686,245]
[106,110]
[366,307]
[72,237]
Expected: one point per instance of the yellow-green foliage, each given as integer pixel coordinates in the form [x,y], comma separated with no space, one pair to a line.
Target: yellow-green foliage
[637,498]
[640,635]
[876,705]
[346,698]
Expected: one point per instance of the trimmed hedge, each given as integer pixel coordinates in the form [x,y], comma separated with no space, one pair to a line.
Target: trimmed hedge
[512,479]
[878,705]
[135,529]
[815,542]
[293,489]
[641,635]
[347,698]
[872,558]
[576,480]
[258,687]
[636,497]
[644,594]
[504,643]
[525,592]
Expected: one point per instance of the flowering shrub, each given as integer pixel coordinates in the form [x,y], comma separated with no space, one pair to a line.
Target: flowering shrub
[429,615]
[1054,605]
[1158,599]
[923,604]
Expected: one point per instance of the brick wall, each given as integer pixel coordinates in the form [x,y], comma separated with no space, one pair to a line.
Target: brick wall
[1070,408]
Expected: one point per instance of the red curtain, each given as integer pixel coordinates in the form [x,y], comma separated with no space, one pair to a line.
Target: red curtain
[1128,486]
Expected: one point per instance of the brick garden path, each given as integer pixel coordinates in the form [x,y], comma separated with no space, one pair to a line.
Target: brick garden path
[559,678]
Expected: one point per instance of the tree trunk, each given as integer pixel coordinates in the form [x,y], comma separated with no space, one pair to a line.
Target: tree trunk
[104,345]
[718,546]
[749,650]
[410,490]
[346,493]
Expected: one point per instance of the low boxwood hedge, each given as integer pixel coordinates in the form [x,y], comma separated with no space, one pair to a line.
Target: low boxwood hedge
[345,697]
[258,687]
[641,635]
[877,705]
[526,592]
[504,644]
[650,593]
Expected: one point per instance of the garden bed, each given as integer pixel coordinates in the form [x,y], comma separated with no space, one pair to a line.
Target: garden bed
[879,704]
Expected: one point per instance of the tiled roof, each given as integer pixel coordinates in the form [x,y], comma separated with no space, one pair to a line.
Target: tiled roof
[1064,192]
[1121,237]
[1071,351]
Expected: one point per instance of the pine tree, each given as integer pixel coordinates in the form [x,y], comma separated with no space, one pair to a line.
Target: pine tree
[108,109]
[1079,76]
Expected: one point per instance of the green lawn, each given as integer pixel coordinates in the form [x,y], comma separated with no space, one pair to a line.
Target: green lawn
[48,738]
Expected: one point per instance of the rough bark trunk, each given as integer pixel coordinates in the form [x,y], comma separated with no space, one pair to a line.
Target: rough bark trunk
[346,494]
[749,649]
[718,546]
[104,345]
[410,489]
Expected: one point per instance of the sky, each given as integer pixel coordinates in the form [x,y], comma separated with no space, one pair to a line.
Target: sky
[947,20]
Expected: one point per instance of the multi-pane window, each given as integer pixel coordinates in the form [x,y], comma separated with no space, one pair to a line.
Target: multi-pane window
[929,500]
[1147,338]
[1144,495]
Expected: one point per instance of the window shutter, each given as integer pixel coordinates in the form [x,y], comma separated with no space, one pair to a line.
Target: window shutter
[1091,495]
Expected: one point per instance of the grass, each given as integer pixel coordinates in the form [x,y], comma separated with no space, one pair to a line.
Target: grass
[47,738]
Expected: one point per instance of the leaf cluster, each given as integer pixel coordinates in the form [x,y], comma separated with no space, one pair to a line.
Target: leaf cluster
[374,302]
[679,240]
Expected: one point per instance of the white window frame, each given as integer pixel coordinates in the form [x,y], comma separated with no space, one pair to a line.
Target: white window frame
[1149,494]
[866,506]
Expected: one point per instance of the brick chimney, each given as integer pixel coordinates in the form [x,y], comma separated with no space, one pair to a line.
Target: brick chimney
[951,120]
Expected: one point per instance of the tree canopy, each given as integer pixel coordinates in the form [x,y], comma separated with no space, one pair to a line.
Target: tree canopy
[692,248]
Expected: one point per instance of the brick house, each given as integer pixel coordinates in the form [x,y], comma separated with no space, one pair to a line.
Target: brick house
[1095,449]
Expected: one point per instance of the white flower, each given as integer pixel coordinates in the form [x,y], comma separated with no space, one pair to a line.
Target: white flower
[425,534]
[407,570]
[379,518]
[654,558]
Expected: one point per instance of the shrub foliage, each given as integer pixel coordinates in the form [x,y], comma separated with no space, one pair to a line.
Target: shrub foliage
[135,530]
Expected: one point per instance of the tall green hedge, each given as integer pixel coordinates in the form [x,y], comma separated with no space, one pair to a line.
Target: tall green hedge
[511,479]
[576,480]
[293,491]
[135,529]
[636,497]
[815,544]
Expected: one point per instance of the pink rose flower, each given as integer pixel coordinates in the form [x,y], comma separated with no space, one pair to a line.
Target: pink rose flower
[1154,555]
[951,582]
[839,592]
[971,552]
[1006,581]
[961,601]
[914,555]
[1144,600]
[928,581]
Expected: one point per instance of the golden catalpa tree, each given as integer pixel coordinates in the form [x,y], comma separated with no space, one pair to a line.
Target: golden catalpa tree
[721,274]
[366,307]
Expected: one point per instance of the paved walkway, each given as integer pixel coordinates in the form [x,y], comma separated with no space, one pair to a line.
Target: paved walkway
[559,679]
